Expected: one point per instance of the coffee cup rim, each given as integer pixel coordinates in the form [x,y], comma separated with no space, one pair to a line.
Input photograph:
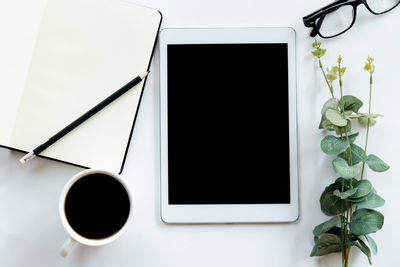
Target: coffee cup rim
[71,232]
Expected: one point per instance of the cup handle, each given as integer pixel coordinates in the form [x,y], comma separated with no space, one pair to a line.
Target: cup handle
[67,247]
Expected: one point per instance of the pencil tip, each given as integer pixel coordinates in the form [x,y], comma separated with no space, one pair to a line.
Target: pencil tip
[144,75]
[27,157]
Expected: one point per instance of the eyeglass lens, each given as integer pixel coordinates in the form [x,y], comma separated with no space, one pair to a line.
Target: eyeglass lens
[381,6]
[336,22]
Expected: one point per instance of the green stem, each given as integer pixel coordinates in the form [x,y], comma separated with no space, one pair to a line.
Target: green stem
[347,234]
[326,79]
[347,257]
[345,127]
[368,125]
[342,227]
[345,229]
[342,107]
[349,159]
[343,224]
[349,211]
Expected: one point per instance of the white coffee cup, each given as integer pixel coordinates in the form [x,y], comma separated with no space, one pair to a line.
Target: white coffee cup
[74,237]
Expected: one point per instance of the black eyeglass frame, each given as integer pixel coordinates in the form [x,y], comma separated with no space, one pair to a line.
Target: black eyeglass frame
[311,20]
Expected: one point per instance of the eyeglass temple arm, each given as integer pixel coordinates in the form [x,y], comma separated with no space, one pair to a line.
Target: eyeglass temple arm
[310,19]
[315,29]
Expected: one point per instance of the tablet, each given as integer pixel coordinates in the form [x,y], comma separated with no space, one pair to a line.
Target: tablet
[228,125]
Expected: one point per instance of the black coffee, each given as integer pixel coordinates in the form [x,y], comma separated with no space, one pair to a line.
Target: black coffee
[97,206]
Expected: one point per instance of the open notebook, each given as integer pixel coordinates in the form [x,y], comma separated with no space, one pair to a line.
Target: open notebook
[59,58]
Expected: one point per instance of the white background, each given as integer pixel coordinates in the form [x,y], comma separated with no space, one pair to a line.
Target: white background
[31,232]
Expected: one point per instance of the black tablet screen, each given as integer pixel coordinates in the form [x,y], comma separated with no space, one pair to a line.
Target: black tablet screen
[228,124]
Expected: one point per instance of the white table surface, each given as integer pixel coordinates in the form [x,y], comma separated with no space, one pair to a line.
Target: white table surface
[31,232]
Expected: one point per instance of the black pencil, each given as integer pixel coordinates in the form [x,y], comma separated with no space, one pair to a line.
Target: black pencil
[83,118]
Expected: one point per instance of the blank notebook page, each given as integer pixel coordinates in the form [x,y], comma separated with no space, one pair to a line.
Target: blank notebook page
[85,50]
[19,24]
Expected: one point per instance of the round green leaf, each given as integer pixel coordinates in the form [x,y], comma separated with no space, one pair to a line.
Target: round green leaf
[315,247]
[351,103]
[371,201]
[332,145]
[358,200]
[323,118]
[366,221]
[357,154]
[352,137]
[348,183]
[364,187]
[372,244]
[342,130]
[330,204]
[336,185]
[376,164]
[369,115]
[364,248]
[335,117]
[327,125]
[335,230]
[343,169]
[326,226]
[345,194]
[332,103]
[364,121]
[354,116]
[326,244]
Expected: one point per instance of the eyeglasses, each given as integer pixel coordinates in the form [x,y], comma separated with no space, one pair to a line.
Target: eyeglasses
[339,17]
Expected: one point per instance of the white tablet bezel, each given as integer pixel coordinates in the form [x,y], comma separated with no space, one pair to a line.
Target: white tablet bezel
[246,213]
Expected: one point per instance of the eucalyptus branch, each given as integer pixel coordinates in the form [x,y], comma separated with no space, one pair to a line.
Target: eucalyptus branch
[370,68]
[347,234]
[348,227]
[319,52]
[330,86]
